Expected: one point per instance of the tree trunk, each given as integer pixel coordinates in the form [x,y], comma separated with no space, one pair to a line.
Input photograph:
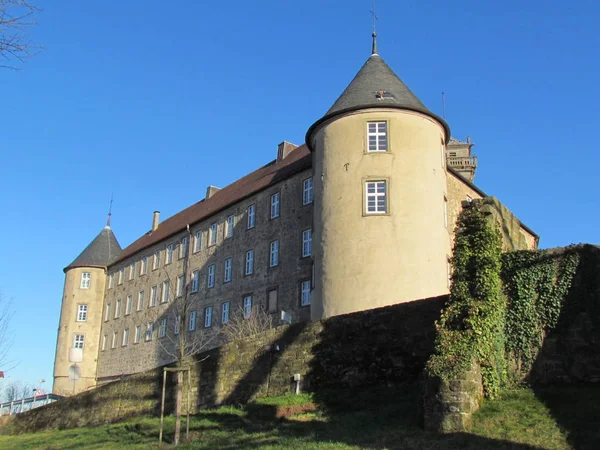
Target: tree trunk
[178,404]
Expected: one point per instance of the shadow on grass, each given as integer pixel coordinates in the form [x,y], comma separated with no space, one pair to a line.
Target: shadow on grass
[377,418]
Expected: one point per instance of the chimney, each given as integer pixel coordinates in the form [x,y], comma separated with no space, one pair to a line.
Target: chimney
[155,220]
[210,191]
[284,149]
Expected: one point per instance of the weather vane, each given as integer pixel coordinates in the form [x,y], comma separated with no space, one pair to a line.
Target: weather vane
[375,19]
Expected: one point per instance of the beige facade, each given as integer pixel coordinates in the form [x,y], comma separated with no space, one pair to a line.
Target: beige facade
[365,260]
[80,323]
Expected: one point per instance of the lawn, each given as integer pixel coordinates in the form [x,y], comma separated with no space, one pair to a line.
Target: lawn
[370,419]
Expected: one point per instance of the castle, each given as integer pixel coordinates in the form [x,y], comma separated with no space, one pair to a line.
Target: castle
[360,216]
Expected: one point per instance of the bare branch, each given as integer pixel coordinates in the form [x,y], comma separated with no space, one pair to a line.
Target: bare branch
[16,16]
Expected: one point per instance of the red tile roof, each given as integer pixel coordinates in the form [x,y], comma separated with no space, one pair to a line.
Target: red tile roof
[272,173]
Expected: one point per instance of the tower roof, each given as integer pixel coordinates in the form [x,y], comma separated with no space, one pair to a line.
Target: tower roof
[100,252]
[376,86]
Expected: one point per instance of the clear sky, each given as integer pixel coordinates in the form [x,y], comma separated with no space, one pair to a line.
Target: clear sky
[154,101]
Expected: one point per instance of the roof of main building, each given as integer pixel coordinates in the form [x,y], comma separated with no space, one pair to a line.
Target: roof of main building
[299,159]
[103,250]
[376,86]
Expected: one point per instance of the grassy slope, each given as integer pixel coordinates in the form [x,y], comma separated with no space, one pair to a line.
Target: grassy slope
[373,419]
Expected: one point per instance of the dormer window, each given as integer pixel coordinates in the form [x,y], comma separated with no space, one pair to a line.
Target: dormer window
[377,140]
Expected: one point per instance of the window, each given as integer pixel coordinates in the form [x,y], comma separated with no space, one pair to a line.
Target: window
[376,197]
[118,308]
[121,275]
[166,286]
[169,257]
[307,191]
[305,293]
[192,321]
[198,241]
[114,340]
[183,248]
[210,280]
[104,339]
[153,295]
[249,262]
[229,227]
[82,313]
[125,339]
[274,254]
[377,137]
[272,300]
[212,234]
[225,312]
[149,331]
[138,334]
[180,286]
[162,329]
[85,280]
[78,341]
[227,271]
[132,271]
[247,306]
[144,265]
[129,305]
[445,212]
[140,302]
[306,243]
[111,280]
[177,324]
[156,260]
[275,205]
[107,312]
[207,316]
[195,280]
[251,216]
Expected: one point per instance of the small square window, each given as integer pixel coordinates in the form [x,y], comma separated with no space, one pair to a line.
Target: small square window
[78,341]
[377,140]
[85,280]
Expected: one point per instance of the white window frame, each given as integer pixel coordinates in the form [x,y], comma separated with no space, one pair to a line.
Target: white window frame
[165,293]
[307,243]
[107,312]
[114,339]
[169,254]
[86,278]
[183,247]
[132,271]
[192,321]
[180,286]
[82,311]
[129,305]
[149,331]
[274,253]
[143,265]
[249,265]
[212,234]
[125,339]
[227,269]
[307,191]
[229,224]
[275,205]
[247,306]
[140,301]
[118,308]
[138,334]
[156,260]
[162,329]
[375,197]
[208,317]
[210,279]
[377,139]
[104,340]
[153,296]
[225,307]
[198,241]
[305,295]
[111,280]
[78,341]
[121,275]
[251,216]
[177,324]
[195,280]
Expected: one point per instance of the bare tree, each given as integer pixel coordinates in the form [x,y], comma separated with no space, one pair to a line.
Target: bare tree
[243,324]
[15,390]
[6,336]
[15,17]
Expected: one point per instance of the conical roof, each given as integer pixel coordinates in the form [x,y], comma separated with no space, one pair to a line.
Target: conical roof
[376,86]
[100,252]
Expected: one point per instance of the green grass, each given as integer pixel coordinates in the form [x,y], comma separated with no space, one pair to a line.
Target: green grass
[370,419]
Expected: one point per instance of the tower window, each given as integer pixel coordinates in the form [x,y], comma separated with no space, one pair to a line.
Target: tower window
[82,313]
[376,197]
[85,280]
[377,140]
[78,341]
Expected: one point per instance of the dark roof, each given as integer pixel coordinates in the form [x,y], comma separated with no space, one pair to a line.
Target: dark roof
[364,92]
[299,159]
[100,252]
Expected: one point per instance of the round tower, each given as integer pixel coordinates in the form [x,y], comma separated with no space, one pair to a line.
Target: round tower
[81,315]
[380,228]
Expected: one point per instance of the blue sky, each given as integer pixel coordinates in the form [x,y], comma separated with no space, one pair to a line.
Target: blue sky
[153,103]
